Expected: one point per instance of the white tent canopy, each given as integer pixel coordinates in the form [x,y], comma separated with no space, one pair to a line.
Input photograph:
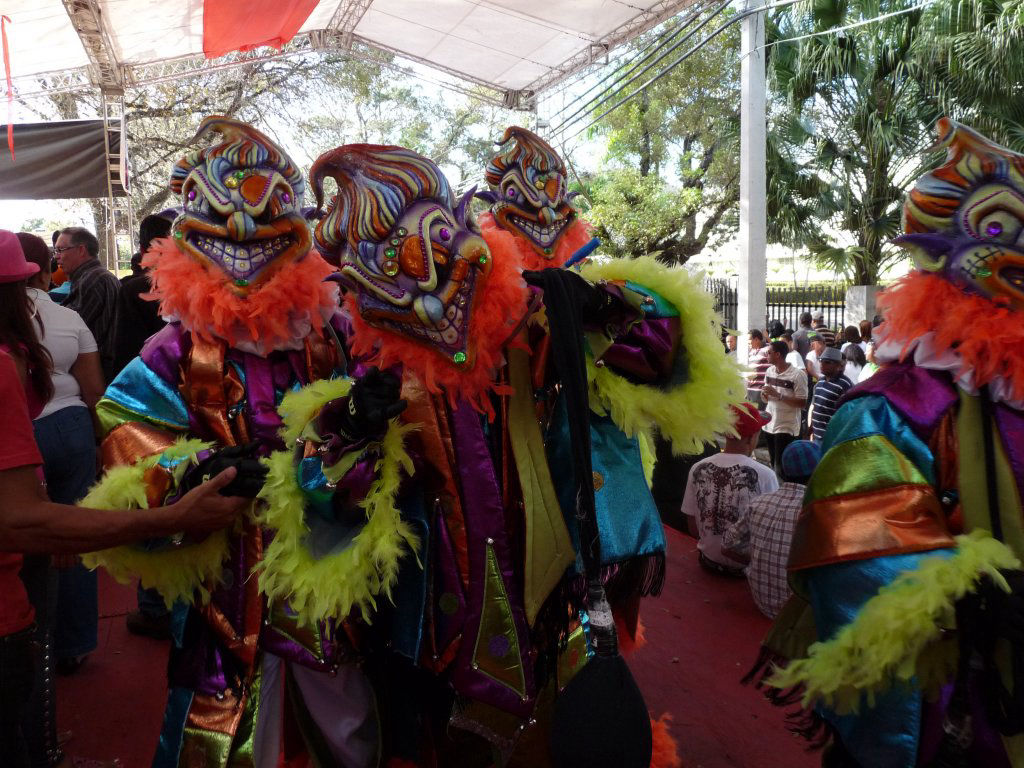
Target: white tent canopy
[515,48]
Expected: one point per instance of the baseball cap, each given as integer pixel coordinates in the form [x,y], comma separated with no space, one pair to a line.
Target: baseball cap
[799,460]
[817,315]
[748,420]
[830,353]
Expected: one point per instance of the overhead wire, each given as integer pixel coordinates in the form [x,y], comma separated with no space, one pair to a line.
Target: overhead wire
[608,93]
[621,73]
[668,68]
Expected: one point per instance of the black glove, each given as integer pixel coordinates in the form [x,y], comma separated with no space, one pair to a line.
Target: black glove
[375,399]
[597,305]
[246,483]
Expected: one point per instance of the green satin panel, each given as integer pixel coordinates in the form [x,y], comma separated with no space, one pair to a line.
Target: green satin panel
[863,464]
[496,651]
[243,751]
[873,415]
[573,657]
[204,749]
[549,550]
[972,477]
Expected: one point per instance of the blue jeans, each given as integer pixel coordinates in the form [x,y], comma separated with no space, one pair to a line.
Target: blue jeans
[68,445]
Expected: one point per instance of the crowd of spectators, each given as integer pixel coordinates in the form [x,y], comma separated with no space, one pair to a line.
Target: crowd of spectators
[742,500]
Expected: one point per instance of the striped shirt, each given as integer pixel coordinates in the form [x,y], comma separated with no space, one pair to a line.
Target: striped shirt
[826,397]
[759,365]
[94,296]
[827,335]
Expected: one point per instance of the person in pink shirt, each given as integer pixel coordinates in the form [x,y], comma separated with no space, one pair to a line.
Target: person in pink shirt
[30,523]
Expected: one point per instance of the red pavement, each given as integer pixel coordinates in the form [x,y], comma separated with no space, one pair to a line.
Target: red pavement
[702,635]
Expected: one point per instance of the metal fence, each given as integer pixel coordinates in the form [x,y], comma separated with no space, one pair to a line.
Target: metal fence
[784,303]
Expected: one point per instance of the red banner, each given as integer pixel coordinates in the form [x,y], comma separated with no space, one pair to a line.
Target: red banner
[232,26]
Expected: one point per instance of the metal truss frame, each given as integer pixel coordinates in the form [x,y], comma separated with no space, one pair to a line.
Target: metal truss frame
[599,49]
[111,77]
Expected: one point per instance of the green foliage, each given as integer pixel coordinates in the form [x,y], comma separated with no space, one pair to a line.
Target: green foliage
[636,215]
[855,111]
[671,176]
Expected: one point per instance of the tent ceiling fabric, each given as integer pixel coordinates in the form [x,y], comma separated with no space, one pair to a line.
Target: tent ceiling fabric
[508,45]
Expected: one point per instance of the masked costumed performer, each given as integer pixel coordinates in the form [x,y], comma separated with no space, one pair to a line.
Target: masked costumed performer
[251,322]
[533,222]
[496,523]
[912,527]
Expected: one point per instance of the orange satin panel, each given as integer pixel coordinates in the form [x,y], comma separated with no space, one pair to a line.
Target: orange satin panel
[133,440]
[945,447]
[895,520]
[431,412]
[203,387]
[158,482]
[321,356]
[210,714]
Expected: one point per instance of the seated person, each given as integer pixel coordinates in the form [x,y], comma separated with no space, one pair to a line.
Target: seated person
[762,537]
[721,487]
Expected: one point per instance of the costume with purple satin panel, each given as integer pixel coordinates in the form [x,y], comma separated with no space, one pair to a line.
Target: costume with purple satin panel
[913,519]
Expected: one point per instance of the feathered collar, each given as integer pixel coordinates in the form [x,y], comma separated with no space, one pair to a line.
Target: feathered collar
[278,314]
[979,341]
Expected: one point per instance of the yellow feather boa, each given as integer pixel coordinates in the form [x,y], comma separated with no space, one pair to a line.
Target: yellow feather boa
[896,634]
[178,573]
[334,585]
[694,411]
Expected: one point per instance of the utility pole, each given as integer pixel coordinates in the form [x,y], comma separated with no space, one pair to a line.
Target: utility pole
[753,187]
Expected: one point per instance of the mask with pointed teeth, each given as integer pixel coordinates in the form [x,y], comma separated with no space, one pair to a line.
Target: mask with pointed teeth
[413,256]
[242,202]
[528,193]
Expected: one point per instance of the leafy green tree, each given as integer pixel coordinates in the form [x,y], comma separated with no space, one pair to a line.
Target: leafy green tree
[864,114]
[671,176]
[856,110]
[973,52]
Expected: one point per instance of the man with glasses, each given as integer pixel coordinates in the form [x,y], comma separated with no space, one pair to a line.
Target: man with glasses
[93,289]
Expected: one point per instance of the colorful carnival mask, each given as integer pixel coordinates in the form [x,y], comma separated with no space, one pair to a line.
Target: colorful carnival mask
[529,195]
[242,201]
[965,219]
[412,255]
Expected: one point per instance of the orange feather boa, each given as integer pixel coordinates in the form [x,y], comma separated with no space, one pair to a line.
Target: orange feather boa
[505,245]
[269,316]
[497,309]
[987,334]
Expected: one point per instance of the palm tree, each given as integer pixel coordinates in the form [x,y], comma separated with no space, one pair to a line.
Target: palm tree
[866,115]
[973,51]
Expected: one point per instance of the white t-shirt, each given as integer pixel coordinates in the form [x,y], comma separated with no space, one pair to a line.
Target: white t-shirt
[65,336]
[811,363]
[794,359]
[791,383]
[718,493]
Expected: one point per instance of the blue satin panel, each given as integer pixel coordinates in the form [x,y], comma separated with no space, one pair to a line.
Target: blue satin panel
[409,595]
[873,415]
[886,735]
[173,730]
[661,306]
[139,390]
[310,476]
[627,518]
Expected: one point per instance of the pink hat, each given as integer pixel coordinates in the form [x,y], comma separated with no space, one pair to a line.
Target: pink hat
[13,266]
